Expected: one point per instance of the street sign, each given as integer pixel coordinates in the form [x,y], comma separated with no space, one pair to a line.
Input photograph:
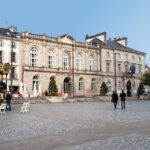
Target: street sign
[1,67]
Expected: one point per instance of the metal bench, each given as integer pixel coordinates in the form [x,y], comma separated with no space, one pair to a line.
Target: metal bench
[3,108]
[25,107]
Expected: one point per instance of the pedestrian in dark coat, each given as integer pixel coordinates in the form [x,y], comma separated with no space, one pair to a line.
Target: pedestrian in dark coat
[8,100]
[115,99]
[123,99]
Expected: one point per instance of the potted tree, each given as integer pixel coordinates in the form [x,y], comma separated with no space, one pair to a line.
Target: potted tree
[53,91]
[103,91]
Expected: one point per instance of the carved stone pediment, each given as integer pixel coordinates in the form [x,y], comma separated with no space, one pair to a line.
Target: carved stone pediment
[67,39]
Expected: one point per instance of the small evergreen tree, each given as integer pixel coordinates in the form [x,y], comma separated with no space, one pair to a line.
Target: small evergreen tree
[140,90]
[146,79]
[103,89]
[52,88]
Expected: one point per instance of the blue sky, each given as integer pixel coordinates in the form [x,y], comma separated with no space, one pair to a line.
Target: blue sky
[130,18]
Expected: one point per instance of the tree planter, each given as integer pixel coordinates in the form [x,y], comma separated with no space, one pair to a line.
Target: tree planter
[69,93]
[54,99]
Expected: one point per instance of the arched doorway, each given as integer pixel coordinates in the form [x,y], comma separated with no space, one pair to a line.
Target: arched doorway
[67,85]
[129,88]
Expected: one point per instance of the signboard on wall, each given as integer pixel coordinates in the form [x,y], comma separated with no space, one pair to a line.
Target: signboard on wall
[4,68]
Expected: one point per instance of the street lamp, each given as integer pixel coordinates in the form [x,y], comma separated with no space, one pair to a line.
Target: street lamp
[72,71]
[115,73]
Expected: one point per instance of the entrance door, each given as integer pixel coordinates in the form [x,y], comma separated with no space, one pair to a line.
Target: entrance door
[129,88]
[67,85]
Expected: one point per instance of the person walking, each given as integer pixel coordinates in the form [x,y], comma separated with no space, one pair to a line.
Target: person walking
[115,99]
[8,100]
[123,99]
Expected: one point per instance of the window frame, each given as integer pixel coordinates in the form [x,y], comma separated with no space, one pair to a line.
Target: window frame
[33,56]
[81,84]
[50,58]
[91,63]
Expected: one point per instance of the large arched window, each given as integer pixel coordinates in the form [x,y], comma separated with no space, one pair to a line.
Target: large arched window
[35,83]
[108,84]
[93,84]
[50,59]
[78,62]
[91,63]
[65,60]
[81,84]
[33,57]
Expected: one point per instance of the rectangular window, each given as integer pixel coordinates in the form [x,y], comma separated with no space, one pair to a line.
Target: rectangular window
[0,55]
[119,68]
[107,55]
[93,86]
[13,73]
[13,44]
[13,57]
[139,58]
[119,85]
[126,68]
[50,61]
[81,87]
[119,56]
[107,67]
[33,59]
[140,69]
[65,62]
[132,57]
[126,56]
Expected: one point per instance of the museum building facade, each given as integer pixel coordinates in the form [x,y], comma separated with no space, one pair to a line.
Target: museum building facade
[79,67]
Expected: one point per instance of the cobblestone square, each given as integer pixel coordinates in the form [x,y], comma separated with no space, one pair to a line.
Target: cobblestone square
[77,126]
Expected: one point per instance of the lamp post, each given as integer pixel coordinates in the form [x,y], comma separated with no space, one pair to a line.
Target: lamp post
[73,73]
[11,61]
[72,57]
[115,73]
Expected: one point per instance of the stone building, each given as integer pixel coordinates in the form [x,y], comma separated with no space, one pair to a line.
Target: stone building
[79,67]
[10,46]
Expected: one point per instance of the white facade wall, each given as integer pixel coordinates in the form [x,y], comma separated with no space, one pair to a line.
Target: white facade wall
[6,58]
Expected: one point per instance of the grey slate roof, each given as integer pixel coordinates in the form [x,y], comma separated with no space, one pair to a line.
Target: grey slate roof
[114,45]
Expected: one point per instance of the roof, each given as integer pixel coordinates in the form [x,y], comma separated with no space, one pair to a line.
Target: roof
[88,37]
[115,45]
[3,32]
[7,33]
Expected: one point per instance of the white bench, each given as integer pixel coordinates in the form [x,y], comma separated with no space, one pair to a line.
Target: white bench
[25,107]
[3,108]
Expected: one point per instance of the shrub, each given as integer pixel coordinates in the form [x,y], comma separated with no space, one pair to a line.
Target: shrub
[103,89]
